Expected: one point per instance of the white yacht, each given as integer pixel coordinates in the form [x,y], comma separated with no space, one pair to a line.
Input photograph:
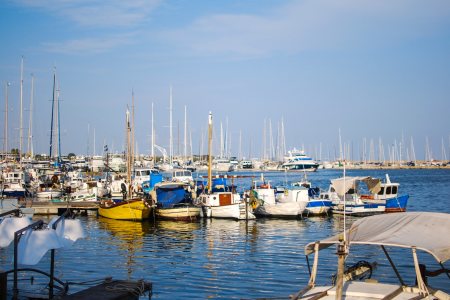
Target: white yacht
[298,161]
[117,163]
[222,165]
[80,163]
[97,163]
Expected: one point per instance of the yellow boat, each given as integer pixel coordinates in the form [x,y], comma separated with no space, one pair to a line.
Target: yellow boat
[133,209]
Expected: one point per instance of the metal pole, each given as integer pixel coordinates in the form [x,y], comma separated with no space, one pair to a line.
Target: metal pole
[393,266]
[21,113]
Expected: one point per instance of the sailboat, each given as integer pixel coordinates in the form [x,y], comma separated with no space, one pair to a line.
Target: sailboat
[223,204]
[136,209]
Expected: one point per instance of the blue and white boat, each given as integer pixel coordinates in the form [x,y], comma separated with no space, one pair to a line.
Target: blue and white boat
[388,194]
[298,161]
[14,184]
[345,197]
[316,205]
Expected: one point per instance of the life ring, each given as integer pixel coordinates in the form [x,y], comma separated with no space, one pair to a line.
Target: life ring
[266,186]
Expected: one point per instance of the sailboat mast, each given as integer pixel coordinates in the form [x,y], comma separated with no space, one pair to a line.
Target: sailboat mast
[153,139]
[185,129]
[226,138]
[53,109]
[171,150]
[59,135]
[87,153]
[132,129]
[5,142]
[209,165]
[30,127]
[21,113]
[128,153]
[190,142]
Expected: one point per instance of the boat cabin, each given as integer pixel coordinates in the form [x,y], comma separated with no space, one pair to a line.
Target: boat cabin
[182,176]
[388,190]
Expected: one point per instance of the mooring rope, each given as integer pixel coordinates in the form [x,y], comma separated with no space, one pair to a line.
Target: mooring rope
[107,279]
[136,291]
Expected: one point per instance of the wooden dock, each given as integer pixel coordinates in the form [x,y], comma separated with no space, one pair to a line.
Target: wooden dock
[57,208]
[115,290]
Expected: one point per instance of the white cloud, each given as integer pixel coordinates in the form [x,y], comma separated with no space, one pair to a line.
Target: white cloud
[97,13]
[88,45]
[318,24]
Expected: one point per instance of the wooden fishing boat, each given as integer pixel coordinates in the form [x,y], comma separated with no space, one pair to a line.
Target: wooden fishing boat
[132,209]
[136,209]
[186,212]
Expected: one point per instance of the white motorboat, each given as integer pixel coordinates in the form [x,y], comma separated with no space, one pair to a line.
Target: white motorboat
[96,164]
[117,163]
[269,206]
[14,183]
[344,194]
[222,165]
[298,161]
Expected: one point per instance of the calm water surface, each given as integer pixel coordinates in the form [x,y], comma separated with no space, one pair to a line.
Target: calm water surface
[227,259]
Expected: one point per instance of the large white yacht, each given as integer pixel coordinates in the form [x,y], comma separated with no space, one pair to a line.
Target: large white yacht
[297,160]
[97,163]
[222,165]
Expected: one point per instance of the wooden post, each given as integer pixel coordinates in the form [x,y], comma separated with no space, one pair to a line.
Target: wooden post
[340,273]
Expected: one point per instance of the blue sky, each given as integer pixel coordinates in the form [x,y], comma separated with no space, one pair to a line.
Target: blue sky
[371,68]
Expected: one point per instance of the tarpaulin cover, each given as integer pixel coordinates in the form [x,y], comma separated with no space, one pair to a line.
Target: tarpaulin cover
[424,230]
[154,179]
[342,185]
[170,195]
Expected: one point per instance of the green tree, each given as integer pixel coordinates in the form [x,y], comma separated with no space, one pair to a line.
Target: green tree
[70,155]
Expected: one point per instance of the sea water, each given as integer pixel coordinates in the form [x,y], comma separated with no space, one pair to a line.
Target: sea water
[217,258]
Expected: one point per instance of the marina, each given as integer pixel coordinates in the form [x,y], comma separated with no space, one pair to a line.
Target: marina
[225,150]
[222,258]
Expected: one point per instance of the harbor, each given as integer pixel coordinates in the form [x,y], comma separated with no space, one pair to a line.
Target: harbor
[252,150]
[222,258]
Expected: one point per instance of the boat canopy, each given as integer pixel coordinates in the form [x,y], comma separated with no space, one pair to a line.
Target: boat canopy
[373,184]
[171,194]
[421,230]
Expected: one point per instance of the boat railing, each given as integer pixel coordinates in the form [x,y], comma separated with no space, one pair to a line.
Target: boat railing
[17,235]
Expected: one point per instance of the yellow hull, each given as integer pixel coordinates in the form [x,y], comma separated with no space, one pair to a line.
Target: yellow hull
[128,210]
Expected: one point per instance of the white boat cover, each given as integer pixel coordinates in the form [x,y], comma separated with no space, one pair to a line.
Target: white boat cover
[10,225]
[35,243]
[68,231]
[373,184]
[423,230]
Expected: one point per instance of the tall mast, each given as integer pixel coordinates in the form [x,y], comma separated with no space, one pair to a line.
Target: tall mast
[340,145]
[226,138]
[132,129]
[53,109]
[171,150]
[229,148]
[59,135]
[209,165]
[221,140]
[94,142]
[87,153]
[21,113]
[190,142]
[185,128]
[240,140]
[128,153]
[153,139]
[5,142]
[30,126]
[271,151]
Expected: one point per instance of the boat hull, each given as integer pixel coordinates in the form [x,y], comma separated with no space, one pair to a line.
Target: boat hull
[279,210]
[397,204]
[49,194]
[359,210]
[126,210]
[318,207]
[231,211]
[178,213]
